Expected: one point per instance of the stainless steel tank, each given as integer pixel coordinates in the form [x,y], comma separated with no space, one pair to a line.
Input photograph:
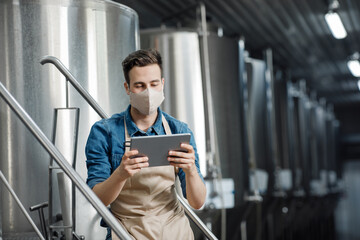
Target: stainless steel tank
[91,38]
[183,88]
[228,104]
[184,93]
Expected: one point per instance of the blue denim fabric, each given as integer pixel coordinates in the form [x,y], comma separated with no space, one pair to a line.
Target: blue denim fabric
[108,234]
[106,144]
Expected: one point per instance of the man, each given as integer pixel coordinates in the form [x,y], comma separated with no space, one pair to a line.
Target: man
[143,198]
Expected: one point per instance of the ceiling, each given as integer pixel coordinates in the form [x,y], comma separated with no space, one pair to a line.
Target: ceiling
[295,30]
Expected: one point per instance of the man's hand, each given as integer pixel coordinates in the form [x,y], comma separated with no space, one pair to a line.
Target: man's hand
[131,164]
[184,160]
[195,188]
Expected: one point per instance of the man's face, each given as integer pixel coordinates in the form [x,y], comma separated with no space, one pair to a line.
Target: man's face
[142,78]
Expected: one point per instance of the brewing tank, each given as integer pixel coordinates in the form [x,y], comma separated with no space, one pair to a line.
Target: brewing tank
[183,90]
[183,65]
[91,38]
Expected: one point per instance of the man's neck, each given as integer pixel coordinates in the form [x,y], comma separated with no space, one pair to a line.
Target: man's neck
[143,122]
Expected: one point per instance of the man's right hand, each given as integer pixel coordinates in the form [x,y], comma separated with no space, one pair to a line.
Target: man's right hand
[131,164]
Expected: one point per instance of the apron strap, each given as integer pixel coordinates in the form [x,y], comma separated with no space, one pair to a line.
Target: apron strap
[127,138]
[166,126]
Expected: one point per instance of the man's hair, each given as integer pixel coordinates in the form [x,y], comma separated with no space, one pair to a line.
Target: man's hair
[141,58]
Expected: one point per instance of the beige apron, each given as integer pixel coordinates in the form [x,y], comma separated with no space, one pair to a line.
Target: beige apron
[147,205]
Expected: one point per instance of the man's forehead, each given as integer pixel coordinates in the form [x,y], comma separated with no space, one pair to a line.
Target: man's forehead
[145,74]
[154,67]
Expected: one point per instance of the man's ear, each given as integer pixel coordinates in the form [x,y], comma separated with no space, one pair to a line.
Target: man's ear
[163,81]
[127,88]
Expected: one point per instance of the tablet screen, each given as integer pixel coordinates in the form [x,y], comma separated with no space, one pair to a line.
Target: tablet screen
[157,147]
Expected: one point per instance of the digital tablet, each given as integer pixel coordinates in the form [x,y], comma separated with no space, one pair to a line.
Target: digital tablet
[157,147]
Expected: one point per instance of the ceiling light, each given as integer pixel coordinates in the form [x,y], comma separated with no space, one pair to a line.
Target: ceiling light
[354,67]
[335,24]
[359,84]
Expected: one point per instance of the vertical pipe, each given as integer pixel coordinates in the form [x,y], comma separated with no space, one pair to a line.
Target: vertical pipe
[42,221]
[76,136]
[213,161]
[211,130]
[65,196]
[243,112]
[50,192]
[67,93]
[271,107]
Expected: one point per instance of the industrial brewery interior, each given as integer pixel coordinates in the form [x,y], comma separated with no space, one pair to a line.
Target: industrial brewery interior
[269,89]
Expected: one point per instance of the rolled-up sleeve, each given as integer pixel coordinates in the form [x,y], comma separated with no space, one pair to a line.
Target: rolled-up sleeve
[97,154]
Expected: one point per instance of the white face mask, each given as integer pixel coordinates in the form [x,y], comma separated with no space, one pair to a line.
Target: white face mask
[147,101]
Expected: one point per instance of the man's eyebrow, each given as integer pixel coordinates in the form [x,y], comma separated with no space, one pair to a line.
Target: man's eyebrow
[138,82]
[152,81]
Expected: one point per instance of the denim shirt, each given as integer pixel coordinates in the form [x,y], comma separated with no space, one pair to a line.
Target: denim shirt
[105,146]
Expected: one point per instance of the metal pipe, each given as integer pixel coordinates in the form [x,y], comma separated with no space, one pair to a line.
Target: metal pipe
[76,84]
[65,166]
[64,184]
[196,220]
[210,141]
[42,221]
[57,114]
[20,204]
[271,95]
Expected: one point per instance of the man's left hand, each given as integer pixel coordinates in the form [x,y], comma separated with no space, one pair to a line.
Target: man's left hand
[184,160]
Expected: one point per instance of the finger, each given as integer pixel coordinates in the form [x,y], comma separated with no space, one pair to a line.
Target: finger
[138,160]
[182,165]
[180,160]
[187,147]
[180,154]
[131,153]
[140,165]
[137,166]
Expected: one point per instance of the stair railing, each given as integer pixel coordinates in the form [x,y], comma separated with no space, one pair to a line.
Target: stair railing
[92,102]
[22,208]
[63,164]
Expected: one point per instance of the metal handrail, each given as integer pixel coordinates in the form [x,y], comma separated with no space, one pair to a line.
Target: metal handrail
[65,166]
[69,77]
[102,114]
[11,191]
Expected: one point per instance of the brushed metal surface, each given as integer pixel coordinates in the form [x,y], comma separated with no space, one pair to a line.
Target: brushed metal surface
[184,97]
[257,114]
[224,73]
[91,38]
[184,100]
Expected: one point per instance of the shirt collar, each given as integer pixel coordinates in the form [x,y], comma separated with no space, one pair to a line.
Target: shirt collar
[133,129]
